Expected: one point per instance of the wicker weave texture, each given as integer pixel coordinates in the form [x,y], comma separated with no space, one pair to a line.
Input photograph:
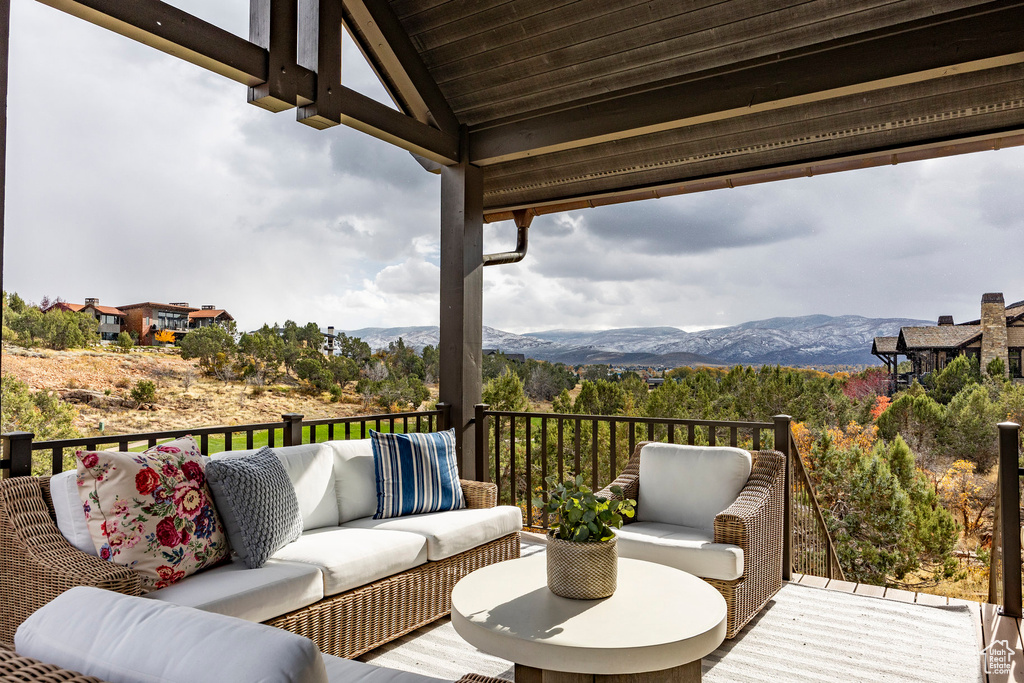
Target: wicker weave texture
[14,667]
[582,571]
[36,562]
[479,494]
[753,522]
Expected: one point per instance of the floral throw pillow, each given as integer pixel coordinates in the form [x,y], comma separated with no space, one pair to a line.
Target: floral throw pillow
[152,511]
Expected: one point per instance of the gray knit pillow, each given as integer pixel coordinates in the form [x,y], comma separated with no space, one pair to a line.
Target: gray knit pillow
[257,504]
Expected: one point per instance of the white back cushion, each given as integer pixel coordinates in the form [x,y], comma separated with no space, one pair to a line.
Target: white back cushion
[67,508]
[310,468]
[355,480]
[127,639]
[689,485]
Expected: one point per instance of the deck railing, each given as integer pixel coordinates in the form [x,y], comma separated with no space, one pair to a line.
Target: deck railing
[20,450]
[523,449]
[1004,578]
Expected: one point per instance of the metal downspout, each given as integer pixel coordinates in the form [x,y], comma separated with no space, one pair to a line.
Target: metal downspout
[523,220]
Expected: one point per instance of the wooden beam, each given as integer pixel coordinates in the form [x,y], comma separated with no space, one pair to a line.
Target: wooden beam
[460,347]
[5,44]
[175,32]
[390,52]
[968,40]
[805,168]
[274,26]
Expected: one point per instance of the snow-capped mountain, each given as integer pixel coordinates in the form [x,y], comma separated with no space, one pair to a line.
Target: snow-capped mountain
[807,340]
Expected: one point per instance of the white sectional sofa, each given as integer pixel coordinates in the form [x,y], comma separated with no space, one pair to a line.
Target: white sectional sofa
[349,583]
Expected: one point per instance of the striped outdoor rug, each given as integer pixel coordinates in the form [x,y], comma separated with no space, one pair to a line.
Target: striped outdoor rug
[805,634]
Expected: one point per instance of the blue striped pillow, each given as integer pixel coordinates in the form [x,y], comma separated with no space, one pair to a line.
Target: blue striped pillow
[416,473]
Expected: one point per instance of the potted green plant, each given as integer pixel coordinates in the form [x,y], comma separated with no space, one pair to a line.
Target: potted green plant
[581,556]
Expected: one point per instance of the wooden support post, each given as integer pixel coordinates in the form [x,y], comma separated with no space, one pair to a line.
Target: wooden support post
[5,40]
[18,450]
[480,425]
[292,429]
[1009,517]
[461,338]
[782,425]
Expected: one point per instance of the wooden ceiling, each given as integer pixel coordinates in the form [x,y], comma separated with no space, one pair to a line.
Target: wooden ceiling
[573,103]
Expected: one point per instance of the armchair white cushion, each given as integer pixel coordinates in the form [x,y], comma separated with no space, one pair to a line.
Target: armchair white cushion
[691,550]
[689,485]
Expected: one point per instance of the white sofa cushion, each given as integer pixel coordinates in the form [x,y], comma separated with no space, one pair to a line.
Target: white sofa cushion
[310,468]
[686,548]
[451,532]
[341,670]
[67,508]
[276,588]
[689,485]
[127,639]
[349,558]
[355,481]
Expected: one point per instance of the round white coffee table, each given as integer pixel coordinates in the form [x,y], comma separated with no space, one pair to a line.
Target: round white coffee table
[655,628]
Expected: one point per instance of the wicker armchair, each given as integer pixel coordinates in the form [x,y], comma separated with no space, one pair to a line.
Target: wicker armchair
[753,522]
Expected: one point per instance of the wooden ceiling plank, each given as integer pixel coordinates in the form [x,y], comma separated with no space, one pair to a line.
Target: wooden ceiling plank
[634,63]
[380,33]
[175,32]
[928,97]
[975,43]
[462,18]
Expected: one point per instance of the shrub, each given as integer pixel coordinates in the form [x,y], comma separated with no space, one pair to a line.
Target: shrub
[124,342]
[144,391]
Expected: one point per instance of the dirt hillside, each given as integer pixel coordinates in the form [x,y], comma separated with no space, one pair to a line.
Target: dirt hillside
[184,397]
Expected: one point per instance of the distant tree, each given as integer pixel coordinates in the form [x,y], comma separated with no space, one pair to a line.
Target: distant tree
[41,412]
[164,337]
[259,356]
[505,392]
[402,360]
[353,348]
[124,342]
[996,368]
[970,432]
[919,420]
[546,380]
[596,372]
[144,391]
[431,364]
[952,379]
[16,303]
[599,397]
[214,346]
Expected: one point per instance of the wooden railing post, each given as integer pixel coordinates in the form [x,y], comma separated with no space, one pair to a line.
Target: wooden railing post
[444,420]
[1009,517]
[292,429]
[18,452]
[483,472]
[782,435]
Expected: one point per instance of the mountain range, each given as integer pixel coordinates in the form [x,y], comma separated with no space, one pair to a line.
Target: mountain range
[812,340]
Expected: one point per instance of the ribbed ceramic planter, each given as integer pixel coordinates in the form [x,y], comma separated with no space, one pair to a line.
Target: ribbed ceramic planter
[582,571]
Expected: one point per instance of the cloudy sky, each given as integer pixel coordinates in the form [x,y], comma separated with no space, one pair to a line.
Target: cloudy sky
[133,176]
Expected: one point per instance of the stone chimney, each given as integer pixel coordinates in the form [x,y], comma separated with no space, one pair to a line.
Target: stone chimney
[945,320]
[92,301]
[993,330]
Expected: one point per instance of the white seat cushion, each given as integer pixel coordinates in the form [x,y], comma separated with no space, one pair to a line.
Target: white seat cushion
[70,514]
[276,588]
[451,532]
[341,670]
[355,481]
[686,548]
[349,558]
[689,485]
[310,468]
[127,639]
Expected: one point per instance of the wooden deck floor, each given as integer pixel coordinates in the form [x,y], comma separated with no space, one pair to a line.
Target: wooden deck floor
[990,628]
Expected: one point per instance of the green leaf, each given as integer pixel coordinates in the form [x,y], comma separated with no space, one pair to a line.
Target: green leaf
[582,534]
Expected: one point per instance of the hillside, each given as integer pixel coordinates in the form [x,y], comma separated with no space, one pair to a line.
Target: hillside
[799,341]
[184,398]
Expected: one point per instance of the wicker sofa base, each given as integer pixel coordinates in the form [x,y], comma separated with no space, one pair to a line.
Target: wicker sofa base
[742,603]
[351,623]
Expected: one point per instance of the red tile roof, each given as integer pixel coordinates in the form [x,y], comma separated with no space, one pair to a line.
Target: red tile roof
[207,313]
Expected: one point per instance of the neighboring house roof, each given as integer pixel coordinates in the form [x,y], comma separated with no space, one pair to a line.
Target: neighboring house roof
[106,310]
[150,304]
[884,345]
[939,337]
[210,314]
[65,306]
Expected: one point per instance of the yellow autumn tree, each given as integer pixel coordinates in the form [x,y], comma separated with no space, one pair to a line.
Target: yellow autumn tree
[164,337]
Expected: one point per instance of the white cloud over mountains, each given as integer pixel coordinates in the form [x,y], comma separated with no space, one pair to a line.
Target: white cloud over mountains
[133,176]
